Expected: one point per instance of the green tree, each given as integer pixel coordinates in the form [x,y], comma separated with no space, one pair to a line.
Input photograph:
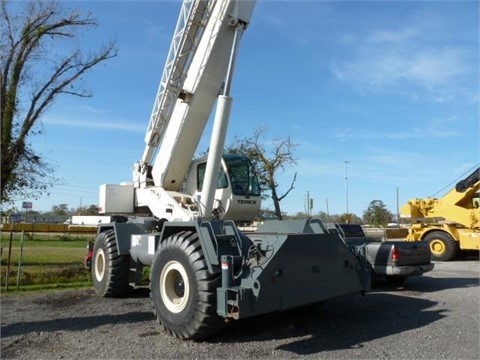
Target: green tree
[33,74]
[92,210]
[267,163]
[340,218]
[296,216]
[324,216]
[377,214]
[349,219]
[60,209]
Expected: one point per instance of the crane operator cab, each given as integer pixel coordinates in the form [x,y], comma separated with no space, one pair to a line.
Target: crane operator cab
[237,196]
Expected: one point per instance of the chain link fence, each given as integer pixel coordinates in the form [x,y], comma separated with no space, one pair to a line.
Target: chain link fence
[36,259]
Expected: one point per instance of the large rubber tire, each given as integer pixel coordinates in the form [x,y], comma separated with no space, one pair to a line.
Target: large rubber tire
[110,271]
[182,290]
[442,246]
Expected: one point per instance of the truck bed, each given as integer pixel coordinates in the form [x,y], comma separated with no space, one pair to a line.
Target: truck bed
[392,260]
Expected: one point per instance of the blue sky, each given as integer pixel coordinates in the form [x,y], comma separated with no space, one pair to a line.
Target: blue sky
[392,87]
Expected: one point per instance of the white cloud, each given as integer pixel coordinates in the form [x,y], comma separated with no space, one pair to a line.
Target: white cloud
[434,130]
[393,37]
[414,56]
[435,66]
[377,68]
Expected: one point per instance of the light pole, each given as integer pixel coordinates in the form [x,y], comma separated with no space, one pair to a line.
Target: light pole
[346,162]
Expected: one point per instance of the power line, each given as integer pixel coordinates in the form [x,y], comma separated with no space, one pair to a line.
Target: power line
[456,180]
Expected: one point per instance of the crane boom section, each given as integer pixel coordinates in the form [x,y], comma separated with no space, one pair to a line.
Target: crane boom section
[186,36]
[179,133]
[464,189]
[457,205]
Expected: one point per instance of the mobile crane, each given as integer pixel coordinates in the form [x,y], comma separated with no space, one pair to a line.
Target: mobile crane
[182,214]
[450,223]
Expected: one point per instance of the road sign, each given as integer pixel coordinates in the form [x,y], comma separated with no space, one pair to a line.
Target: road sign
[26,205]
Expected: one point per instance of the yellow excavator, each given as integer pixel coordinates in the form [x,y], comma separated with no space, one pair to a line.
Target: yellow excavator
[450,223]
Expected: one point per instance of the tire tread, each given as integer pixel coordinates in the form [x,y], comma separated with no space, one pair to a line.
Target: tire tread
[205,321]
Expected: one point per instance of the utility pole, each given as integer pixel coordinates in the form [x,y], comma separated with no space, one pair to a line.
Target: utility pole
[346,162]
[308,206]
[398,210]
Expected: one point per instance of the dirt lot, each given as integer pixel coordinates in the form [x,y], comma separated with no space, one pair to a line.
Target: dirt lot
[432,317]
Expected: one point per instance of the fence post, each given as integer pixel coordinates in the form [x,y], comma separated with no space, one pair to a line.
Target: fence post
[20,260]
[8,260]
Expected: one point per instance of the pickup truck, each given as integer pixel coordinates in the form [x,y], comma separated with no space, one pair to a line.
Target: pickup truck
[393,261]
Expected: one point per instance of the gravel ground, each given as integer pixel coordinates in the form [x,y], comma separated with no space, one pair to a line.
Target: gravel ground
[435,316]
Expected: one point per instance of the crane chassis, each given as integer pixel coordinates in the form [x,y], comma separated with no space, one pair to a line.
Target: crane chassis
[181,215]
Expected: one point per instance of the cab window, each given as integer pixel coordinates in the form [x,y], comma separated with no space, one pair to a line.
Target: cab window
[222,178]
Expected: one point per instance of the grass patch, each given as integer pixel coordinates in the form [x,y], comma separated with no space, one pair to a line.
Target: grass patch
[41,275]
[40,240]
[25,289]
[45,255]
[48,261]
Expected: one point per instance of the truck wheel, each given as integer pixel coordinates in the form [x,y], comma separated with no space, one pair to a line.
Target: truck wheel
[442,246]
[110,271]
[182,290]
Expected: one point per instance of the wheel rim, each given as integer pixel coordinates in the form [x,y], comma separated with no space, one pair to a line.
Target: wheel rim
[174,286]
[99,264]
[437,247]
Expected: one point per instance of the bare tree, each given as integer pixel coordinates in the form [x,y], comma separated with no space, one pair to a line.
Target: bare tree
[35,70]
[268,163]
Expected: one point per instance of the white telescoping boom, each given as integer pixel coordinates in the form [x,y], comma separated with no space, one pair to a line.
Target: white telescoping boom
[198,71]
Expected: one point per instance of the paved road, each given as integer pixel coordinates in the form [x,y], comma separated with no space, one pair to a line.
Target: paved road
[435,316]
